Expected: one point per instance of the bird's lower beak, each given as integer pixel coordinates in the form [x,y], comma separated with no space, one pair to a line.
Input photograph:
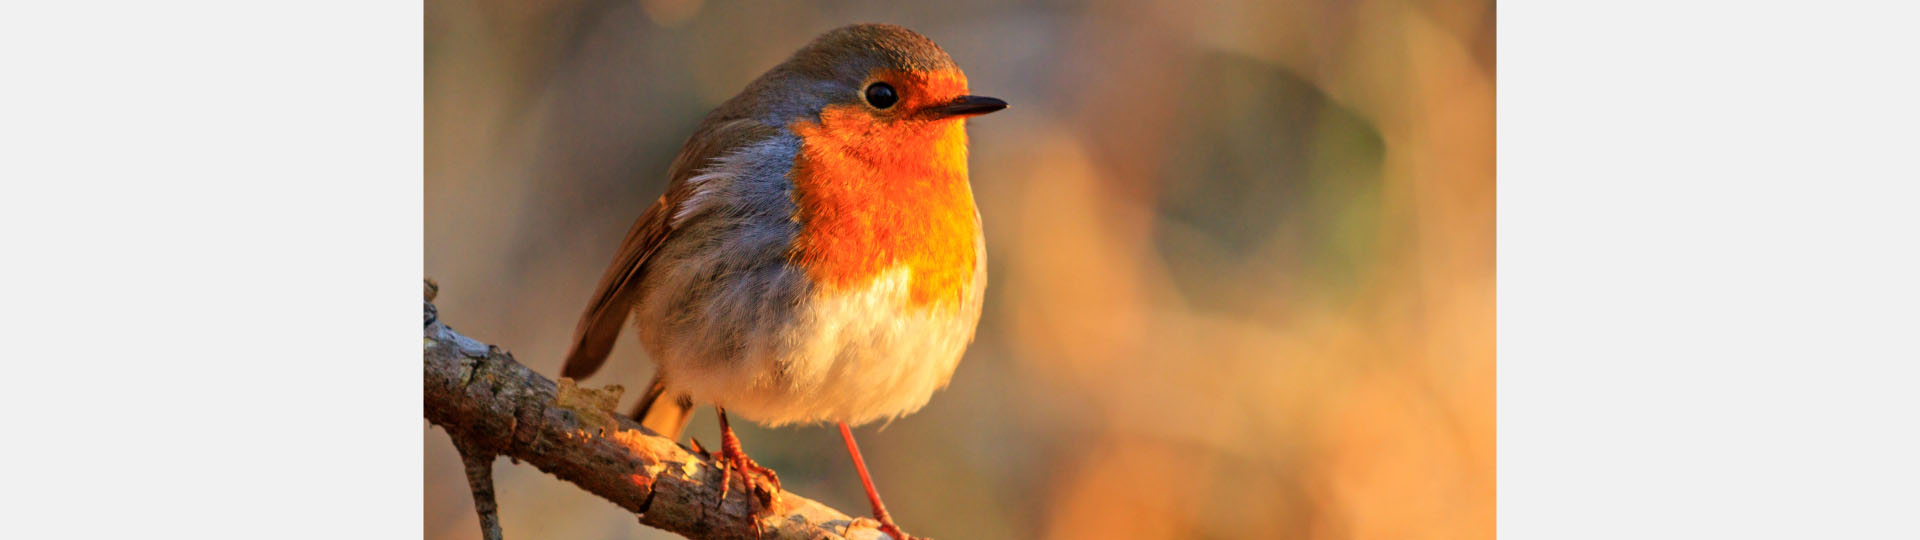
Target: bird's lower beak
[965,106]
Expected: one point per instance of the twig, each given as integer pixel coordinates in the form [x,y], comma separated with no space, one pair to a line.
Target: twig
[480,477]
[492,405]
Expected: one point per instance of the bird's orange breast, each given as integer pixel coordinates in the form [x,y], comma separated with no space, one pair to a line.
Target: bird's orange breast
[872,195]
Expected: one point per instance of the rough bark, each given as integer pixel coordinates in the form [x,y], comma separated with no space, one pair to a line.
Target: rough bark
[479,464]
[492,405]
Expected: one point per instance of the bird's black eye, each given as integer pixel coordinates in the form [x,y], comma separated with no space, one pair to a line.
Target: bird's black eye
[881,95]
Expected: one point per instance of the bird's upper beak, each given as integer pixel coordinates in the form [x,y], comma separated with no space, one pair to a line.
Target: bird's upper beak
[965,106]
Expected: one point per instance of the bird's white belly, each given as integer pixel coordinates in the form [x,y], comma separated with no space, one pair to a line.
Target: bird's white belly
[853,355]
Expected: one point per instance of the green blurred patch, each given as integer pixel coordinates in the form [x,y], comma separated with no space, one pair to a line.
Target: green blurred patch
[1272,194]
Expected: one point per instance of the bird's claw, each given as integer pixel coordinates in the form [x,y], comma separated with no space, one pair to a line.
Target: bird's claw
[763,485]
[887,527]
[894,531]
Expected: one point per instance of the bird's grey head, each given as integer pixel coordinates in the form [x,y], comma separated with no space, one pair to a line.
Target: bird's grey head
[875,66]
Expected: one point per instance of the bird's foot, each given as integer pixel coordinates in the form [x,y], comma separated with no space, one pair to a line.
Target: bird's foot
[888,527]
[761,483]
[894,530]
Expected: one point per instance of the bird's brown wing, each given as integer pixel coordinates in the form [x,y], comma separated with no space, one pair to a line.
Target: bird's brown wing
[613,300]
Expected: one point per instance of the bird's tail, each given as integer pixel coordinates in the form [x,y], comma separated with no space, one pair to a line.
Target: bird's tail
[662,413]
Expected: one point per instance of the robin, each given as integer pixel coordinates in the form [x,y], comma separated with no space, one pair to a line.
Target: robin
[817,256]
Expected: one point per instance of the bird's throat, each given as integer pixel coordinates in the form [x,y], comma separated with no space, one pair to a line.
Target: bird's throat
[873,195]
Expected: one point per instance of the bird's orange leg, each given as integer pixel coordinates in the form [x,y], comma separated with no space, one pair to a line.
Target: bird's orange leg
[873,496]
[763,486]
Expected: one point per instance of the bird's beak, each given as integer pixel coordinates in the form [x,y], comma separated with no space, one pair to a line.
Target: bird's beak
[965,106]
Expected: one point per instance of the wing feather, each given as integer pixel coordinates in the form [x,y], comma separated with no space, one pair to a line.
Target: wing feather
[612,301]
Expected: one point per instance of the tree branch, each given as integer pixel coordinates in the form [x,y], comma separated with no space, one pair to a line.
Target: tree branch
[479,465]
[491,405]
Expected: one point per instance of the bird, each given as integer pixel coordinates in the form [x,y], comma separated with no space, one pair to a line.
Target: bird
[816,257]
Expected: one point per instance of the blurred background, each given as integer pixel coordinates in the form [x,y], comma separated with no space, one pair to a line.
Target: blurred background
[1241,256]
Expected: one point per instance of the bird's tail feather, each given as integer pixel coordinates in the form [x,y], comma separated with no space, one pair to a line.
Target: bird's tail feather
[664,414]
